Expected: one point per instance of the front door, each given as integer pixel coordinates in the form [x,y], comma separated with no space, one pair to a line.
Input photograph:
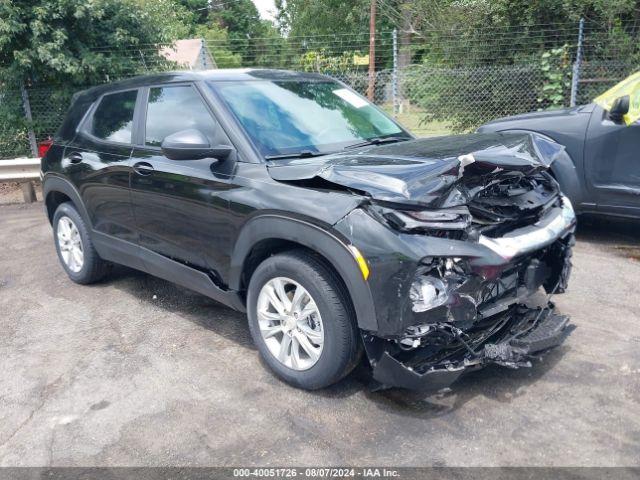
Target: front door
[180,207]
[612,164]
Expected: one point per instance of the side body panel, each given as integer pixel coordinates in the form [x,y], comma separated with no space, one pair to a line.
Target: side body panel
[97,170]
[255,194]
[329,243]
[180,210]
[100,173]
[612,165]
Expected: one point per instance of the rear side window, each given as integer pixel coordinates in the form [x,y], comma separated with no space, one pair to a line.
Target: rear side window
[174,108]
[113,119]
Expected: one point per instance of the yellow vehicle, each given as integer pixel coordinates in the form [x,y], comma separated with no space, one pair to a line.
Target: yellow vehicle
[626,92]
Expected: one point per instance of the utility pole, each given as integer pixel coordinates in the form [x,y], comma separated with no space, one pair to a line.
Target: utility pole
[26,105]
[394,76]
[372,53]
[575,77]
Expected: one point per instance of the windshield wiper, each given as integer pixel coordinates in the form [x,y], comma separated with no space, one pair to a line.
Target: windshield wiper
[301,154]
[377,141]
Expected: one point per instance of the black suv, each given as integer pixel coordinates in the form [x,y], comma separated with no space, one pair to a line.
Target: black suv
[290,196]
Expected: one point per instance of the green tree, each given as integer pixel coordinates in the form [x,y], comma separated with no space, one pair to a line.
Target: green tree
[174,19]
[555,65]
[298,18]
[80,42]
[199,9]
[217,40]
[333,28]
[63,44]
[256,41]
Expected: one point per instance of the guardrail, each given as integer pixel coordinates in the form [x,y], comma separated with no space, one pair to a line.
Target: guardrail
[23,171]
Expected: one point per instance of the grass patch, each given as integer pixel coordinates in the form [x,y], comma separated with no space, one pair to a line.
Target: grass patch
[412,118]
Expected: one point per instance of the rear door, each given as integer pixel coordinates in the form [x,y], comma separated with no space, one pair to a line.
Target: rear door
[98,163]
[180,206]
[612,164]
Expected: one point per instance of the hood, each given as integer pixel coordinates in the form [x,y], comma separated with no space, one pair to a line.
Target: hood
[437,172]
[547,114]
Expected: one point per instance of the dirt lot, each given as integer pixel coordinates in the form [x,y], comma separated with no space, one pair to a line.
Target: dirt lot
[135,371]
[11,192]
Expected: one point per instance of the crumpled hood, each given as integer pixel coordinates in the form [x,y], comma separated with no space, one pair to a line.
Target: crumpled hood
[424,171]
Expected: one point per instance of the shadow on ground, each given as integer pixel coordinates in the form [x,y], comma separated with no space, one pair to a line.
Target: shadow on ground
[189,305]
[493,382]
[609,231]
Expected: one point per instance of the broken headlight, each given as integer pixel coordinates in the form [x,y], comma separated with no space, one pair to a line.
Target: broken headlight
[443,219]
[433,284]
[427,292]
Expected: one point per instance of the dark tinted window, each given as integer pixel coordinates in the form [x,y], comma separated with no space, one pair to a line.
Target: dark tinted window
[113,119]
[176,108]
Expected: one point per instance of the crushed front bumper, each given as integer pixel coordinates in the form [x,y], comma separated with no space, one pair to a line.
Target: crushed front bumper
[444,306]
[524,332]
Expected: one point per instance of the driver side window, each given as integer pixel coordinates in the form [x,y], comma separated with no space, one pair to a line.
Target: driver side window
[174,108]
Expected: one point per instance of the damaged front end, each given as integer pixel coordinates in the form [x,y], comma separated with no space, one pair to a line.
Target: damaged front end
[462,289]
[432,357]
[459,235]
[470,311]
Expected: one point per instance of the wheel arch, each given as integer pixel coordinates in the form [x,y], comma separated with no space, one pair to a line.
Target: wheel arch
[565,173]
[267,234]
[57,190]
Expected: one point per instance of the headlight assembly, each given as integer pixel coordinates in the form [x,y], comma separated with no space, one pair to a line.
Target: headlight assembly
[443,219]
[427,292]
[433,285]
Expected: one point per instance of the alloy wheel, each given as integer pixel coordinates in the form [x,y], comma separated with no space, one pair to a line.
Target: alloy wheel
[70,244]
[290,323]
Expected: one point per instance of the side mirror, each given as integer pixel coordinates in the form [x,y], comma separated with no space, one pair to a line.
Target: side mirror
[619,108]
[192,144]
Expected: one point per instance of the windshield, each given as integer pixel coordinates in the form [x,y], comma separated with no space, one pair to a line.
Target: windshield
[287,117]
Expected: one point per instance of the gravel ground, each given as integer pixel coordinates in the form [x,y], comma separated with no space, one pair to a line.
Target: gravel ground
[10,192]
[136,371]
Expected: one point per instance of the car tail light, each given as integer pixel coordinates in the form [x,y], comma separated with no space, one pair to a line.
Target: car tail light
[44,146]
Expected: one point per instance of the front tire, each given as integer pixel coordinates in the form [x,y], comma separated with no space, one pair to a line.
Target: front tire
[75,250]
[301,320]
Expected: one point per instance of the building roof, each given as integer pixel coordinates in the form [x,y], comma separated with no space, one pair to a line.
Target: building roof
[188,53]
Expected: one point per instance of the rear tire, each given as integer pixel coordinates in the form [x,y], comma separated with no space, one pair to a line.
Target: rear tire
[75,250]
[330,333]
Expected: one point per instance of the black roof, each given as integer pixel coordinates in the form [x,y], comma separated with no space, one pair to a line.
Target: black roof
[222,75]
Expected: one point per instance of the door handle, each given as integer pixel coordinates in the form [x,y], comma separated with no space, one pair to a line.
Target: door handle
[75,157]
[143,168]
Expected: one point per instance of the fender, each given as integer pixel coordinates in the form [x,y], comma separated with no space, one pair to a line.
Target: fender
[566,174]
[54,183]
[328,244]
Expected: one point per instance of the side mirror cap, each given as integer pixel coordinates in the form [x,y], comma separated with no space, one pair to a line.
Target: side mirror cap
[619,108]
[192,144]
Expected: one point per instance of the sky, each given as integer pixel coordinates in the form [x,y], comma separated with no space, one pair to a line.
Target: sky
[266,8]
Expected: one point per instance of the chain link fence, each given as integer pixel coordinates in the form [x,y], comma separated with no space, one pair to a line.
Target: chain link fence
[434,97]
[437,101]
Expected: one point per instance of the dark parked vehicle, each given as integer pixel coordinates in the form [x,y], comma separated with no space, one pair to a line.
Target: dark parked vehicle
[291,197]
[601,173]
